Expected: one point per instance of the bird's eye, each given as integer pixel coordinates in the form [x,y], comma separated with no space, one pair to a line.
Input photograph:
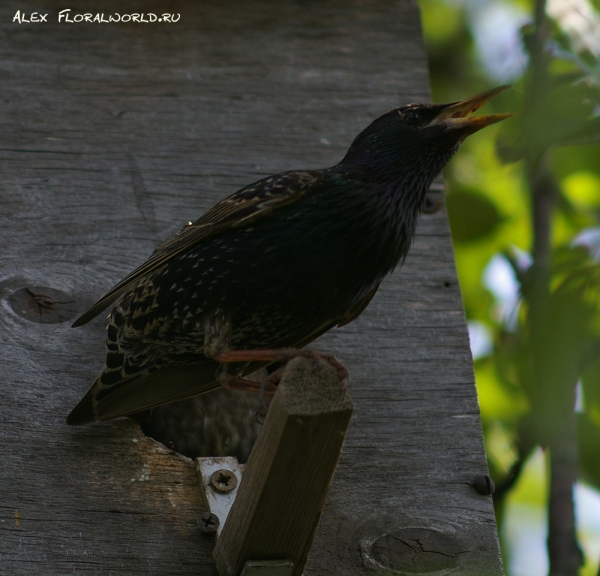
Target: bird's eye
[411,117]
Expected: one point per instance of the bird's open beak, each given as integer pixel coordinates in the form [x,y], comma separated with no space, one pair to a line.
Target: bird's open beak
[456,116]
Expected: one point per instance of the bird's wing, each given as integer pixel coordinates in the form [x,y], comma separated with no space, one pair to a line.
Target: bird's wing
[358,308]
[167,385]
[240,209]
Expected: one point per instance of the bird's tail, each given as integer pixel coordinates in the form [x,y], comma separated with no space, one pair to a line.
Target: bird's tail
[168,384]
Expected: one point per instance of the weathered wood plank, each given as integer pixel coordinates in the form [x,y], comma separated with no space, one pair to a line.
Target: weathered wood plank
[280,499]
[112,137]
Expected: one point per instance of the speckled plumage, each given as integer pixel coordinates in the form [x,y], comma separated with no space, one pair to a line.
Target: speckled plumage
[281,261]
[219,423]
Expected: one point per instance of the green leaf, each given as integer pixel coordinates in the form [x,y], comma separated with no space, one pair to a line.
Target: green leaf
[586,133]
[562,112]
[472,216]
[594,74]
[588,433]
[590,381]
[569,258]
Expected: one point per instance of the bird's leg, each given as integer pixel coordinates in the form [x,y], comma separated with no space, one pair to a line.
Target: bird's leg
[217,337]
[283,355]
[286,354]
[232,382]
[217,341]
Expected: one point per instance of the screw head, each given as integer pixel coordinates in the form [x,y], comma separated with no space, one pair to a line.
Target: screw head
[223,481]
[484,485]
[208,522]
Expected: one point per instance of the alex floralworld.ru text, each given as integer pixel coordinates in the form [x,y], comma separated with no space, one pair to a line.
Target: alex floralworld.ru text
[65,16]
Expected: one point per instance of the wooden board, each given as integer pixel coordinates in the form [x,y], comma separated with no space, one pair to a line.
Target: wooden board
[114,135]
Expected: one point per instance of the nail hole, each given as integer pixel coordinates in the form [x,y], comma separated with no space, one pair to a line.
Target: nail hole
[431,205]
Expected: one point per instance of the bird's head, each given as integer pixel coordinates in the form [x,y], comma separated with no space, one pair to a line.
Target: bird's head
[418,139]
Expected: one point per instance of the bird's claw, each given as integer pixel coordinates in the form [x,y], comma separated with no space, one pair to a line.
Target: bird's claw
[342,372]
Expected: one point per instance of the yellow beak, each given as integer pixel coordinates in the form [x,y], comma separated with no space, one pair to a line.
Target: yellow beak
[457,114]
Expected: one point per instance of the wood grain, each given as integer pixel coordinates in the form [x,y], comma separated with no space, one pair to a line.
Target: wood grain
[112,137]
[280,498]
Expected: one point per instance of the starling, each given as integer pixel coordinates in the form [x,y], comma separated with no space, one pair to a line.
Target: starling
[273,266]
[200,426]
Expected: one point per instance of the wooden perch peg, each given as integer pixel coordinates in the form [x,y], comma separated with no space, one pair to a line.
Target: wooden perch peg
[279,502]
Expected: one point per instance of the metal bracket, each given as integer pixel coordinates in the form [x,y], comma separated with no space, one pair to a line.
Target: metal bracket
[220,479]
